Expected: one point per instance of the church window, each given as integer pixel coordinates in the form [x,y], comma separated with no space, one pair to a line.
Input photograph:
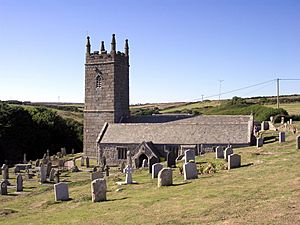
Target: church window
[122,152]
[98,81]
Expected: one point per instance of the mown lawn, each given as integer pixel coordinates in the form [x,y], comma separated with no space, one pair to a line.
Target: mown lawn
[265,190]
[291,108]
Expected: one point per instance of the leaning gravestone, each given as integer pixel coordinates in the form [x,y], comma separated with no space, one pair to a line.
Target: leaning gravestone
[165,177]
[61,192]
[259,142]
[190,171]
[219,153]
[43,173]
[3,188]
[171,159]
[96,175]
[19,183]
[228,151]
[4,169]
[298,142]
[189,155]
[99,188]
[281,137]
[156,167]
[234,161]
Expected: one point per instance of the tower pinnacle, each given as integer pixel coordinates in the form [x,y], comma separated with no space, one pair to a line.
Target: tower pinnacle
[113,44]
[102,49]
[126,48]
[88,46]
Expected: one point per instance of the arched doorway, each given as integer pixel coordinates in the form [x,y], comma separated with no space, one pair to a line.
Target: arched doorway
[141,158]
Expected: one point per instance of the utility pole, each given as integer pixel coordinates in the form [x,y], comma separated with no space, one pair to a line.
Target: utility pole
[220,90]
[277,93]
[202,97]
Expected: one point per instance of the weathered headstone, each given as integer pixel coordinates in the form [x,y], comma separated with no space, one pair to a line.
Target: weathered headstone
[129,159]
[87,162]
[145,163]
[63,151]
[51,175]
[5,174]
[272,119]
[165,177]
[228,151]
[171,159]
[156,167]
[56,177]
[24,159]
[281,137]
[48,153]
[106,169]
[43,173]
[37,163]
[264,125]
[73,151]
[19,183]
[190,171]
[234,161]
[291,121]
[3,188]
[189,155]
[49,167]
[99,189]
[259,142]
[219,152]
[82,161]
[96,175]
[128,171]
[61,191]
[298,142]
[282,120]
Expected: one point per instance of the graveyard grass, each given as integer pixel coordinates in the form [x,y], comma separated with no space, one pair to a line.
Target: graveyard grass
[265,190]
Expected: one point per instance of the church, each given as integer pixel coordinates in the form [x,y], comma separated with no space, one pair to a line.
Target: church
[110,131]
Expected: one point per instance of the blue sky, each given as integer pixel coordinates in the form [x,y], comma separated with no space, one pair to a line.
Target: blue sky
[179,50]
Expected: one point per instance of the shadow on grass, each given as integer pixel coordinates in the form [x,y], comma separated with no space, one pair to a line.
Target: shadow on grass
[248,164]
[116,199]
[270,139]
[179,184]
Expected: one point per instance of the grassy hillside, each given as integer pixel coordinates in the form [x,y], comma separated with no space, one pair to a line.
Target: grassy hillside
[265,190]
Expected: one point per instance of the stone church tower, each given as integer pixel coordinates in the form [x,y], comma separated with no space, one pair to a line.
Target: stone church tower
[106,91]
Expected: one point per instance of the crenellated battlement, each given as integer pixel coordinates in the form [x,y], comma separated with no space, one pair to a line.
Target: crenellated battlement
[103,56]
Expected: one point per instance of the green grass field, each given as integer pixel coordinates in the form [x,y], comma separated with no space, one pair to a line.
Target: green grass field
[291,108]
[265,190]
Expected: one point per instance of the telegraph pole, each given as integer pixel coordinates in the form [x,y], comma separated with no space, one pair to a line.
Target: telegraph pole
[277,93]
[220,90]
[202,97]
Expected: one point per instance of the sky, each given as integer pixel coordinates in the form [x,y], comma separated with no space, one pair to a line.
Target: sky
[180,50]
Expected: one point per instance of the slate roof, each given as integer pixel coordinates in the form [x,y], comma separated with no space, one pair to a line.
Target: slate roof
[196,130]
[156,118]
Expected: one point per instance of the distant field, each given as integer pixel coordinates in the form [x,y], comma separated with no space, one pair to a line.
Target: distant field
[188,106]
[292,108]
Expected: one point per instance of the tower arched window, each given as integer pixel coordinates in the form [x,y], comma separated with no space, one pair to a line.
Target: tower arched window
[98,81]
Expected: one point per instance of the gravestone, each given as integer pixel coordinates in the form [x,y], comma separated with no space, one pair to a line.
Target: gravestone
[122,166]
[87,162]
[24,159]
[51,175]
[99,189]
[106,169]
[298,142]
[219,152]
[281,137]
[82,161]
[37,163]
[4,170]
[165,177]
[259,142]
[190,171]
[49,166]
[282,120]
[171,159]
[59,155]
[145,163]
[61,192]
[272,119]
[291,121]
[43,173]
[156,167]
[73,151]
[228,151]
[189,155]
[19,183]
[3,188]
[96,175]
[63,151]
[48,153]
[234,161]
[264,125]
[56,177]
[128,171]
